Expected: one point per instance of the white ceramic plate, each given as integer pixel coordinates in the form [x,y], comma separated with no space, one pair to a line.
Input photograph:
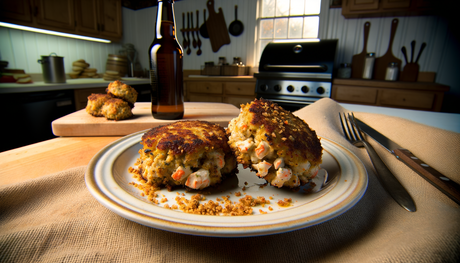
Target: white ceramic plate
[107,178]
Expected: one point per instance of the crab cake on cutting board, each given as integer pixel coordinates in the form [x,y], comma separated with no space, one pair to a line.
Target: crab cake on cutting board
[95,103]
[192,154]
[280,147]
[116,109]
[123,91]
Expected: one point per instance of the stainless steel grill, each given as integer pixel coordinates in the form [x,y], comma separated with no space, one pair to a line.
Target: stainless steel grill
[296,74]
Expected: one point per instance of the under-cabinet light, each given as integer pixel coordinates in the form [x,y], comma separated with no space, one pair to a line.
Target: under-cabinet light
[55,33]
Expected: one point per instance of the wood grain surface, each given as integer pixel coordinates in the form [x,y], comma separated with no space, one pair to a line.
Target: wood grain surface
[81,123]
[217,27]
[49,157]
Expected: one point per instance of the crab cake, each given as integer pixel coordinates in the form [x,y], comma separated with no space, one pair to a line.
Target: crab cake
[116,109]
[95,103]
[279,146]
[193,154]
[120,90]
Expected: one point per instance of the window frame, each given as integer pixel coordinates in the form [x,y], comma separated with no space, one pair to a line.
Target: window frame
[323,16]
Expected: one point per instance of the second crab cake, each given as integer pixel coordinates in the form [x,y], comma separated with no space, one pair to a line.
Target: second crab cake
[123,91]
[193,154]
[276,144]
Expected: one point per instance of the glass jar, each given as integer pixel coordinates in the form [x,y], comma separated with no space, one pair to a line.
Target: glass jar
[344,71]
[392,71]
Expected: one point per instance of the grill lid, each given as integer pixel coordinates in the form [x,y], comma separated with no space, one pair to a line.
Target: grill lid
[299,57]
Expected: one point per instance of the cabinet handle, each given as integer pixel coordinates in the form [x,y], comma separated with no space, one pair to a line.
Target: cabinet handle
[36,11]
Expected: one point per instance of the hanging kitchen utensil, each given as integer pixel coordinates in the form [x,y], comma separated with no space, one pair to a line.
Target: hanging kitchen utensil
[381,63]
[188,34]
[357,62]
[411,70]
[203,28]
[198,52]
[217,28]
[185,42]
[236,27]
[193,31]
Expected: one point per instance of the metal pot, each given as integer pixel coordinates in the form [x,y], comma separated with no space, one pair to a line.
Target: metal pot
[53,68]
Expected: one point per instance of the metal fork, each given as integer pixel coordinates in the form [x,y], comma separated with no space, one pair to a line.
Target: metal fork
[354,134]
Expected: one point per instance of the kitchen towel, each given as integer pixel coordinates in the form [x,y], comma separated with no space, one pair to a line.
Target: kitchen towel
[55,219]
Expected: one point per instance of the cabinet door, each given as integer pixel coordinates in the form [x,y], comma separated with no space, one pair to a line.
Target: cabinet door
[354,94]
[110,18]
[86,16]
[357,5]
[13,11]
[391,4]
[407,99]
[240,88]
[55,14]
[205,87]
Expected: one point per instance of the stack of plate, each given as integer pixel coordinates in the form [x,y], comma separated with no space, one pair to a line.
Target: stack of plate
[81,69]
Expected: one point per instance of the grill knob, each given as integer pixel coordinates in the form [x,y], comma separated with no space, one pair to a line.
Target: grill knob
[305,89]
[290,88]
[277,88]
[263,87]
[320,90]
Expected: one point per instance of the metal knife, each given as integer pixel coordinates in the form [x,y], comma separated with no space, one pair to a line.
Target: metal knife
[443,183]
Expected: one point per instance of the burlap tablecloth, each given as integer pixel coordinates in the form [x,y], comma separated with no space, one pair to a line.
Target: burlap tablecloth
[55,219]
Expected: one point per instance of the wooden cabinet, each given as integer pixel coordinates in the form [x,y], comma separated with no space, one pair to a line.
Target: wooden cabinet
[94,18]
[383,8]
[54,15]
[396,94]
[232,90]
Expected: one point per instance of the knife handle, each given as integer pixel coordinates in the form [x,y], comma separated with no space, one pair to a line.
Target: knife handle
[444,184]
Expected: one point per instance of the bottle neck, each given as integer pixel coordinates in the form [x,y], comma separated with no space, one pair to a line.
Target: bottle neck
[165,23]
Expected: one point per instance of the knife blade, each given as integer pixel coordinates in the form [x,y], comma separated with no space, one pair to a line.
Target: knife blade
[438,180]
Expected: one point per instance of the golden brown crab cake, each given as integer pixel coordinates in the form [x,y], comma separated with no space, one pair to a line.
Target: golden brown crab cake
[120,90]
[276,144]
[193,154]
[95,103]
[116,109]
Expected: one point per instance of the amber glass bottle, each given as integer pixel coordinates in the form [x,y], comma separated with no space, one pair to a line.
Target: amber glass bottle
[166,65]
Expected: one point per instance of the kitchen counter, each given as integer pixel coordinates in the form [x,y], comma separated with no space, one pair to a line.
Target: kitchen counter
[39,86]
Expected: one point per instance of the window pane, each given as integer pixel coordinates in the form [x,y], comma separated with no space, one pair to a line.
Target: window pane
[281,26]
[268,8]
[263,43]
[312,7]
[297,7]
[266,28]
[311,27]
[295,27]
[282,8]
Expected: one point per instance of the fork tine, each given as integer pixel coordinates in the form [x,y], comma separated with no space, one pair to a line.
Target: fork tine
[343,122]
[359,133]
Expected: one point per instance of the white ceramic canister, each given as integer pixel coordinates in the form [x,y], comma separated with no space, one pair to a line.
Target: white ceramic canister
[369,66]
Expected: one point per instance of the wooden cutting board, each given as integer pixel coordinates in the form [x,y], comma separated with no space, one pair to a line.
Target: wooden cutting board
[357,62]
[382,62]
[81,123]
[217,28]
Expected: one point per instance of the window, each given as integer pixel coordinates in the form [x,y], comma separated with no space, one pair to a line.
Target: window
[287,20]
